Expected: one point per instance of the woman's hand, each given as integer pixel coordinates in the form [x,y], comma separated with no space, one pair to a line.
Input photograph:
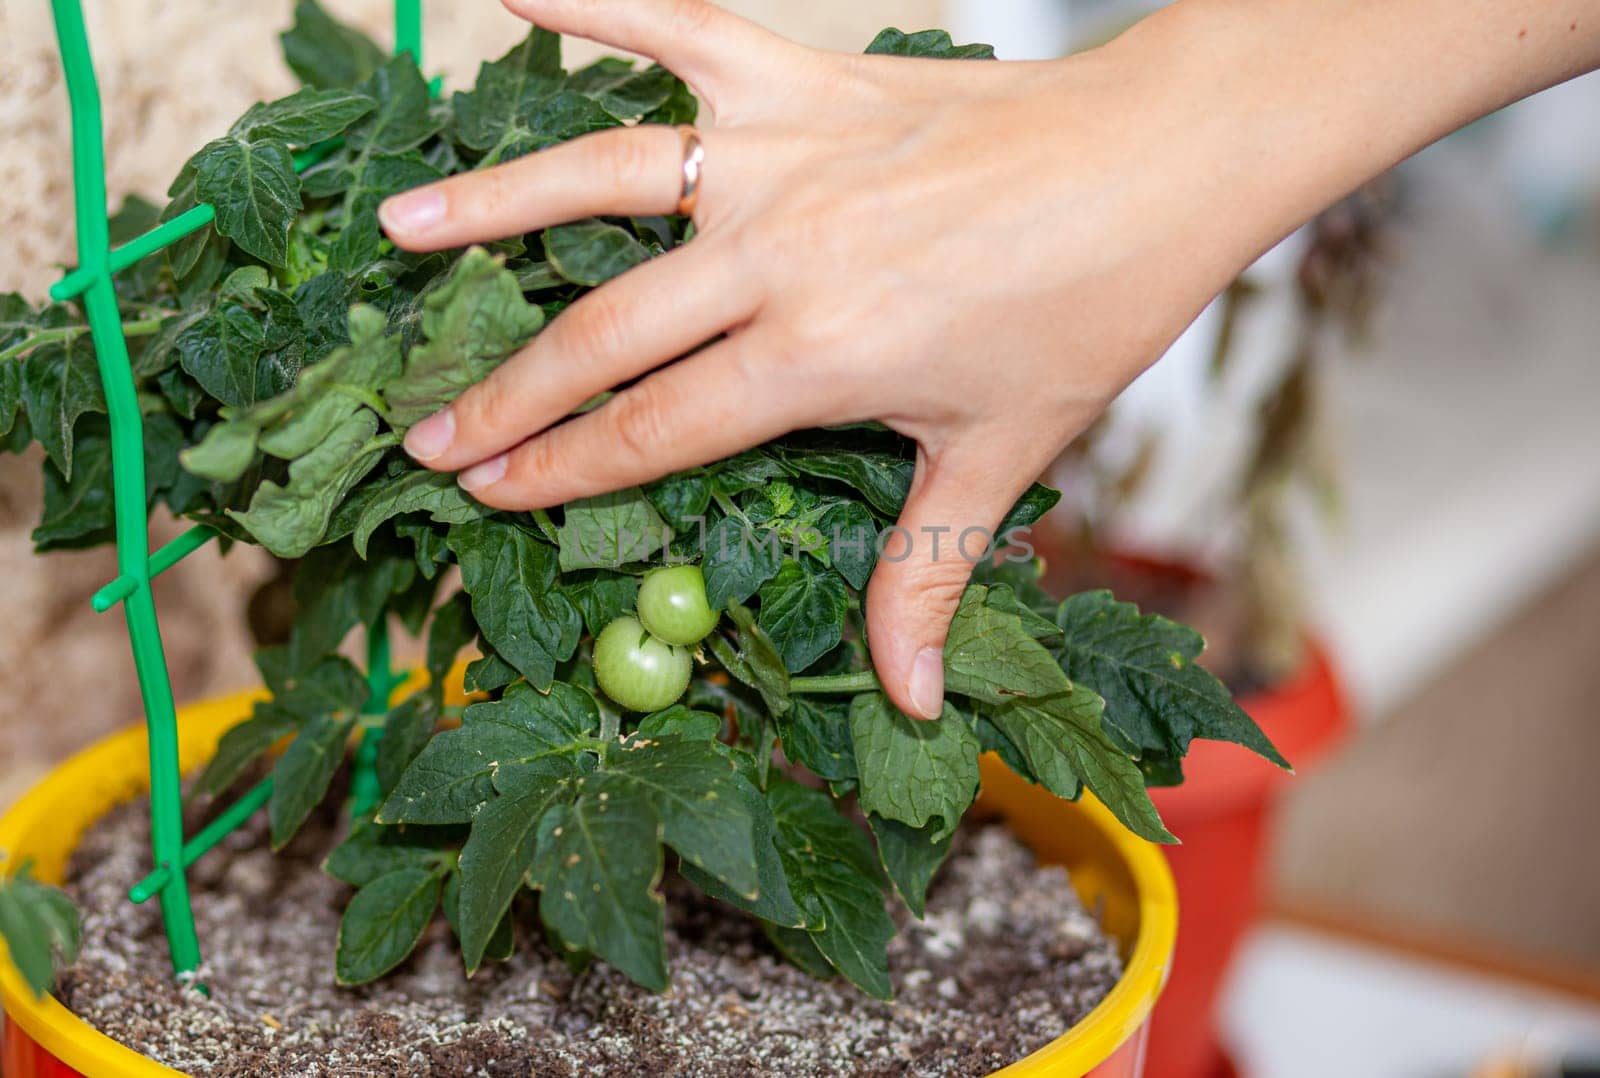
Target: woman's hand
[980,255]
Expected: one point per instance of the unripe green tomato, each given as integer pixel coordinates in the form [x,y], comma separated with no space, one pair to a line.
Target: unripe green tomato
[672,605]
[638,671]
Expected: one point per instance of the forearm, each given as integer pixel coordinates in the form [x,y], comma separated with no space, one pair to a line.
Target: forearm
[1291,105]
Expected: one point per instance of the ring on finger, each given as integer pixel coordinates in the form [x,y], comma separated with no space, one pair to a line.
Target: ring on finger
[694,157]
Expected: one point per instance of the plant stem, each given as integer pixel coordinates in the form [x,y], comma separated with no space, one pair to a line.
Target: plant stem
[140,328]
[860,681]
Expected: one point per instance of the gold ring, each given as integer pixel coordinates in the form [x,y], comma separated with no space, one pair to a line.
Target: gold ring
[694,157]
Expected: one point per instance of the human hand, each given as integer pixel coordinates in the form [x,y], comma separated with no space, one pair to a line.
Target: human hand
[980,255]
[956,249]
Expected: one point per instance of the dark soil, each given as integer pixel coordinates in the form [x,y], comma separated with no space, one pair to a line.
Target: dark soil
[1006,961]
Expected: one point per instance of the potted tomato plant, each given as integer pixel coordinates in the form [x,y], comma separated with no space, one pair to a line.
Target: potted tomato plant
[656,698]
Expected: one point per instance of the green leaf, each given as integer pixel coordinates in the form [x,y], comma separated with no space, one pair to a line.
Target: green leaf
[624,92]
[738,562]
[592,252]
[935,44]
[372,850]
[826,858]
[773,902]
[601,596]
[334,591]
[1157,697]
[681,722]
[597,866]
[502,943]
[406,731]
[507,90]
[1064,744]
[60,383]
[241,746]
[308,115]
[852,538]
[404,118]
[452,630]
[610,530]
[497,859]
[803,610]
[221,351]
[816,735]
[80,511]
[913,772]
[1035,502]
[881,478]
[703,804]
[383,923]
[990,655]
[435,493]
[37,923]
[511,576]
[290,520]
[255,191]
[305,770]
[911,856]
[471,323]
[523,739]
[322,51]
[755,661]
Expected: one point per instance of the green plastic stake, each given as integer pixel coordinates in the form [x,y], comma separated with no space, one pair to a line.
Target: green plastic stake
[128,487]
[136,567]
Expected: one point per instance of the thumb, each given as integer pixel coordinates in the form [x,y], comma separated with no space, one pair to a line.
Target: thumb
[945,529]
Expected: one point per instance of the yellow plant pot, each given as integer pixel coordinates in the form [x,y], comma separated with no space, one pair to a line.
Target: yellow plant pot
[1113,870]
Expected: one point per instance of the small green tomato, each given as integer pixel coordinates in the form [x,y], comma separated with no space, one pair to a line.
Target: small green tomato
[638,671]
[672,605]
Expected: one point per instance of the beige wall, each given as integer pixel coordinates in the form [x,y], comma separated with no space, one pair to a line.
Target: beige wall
[174,73]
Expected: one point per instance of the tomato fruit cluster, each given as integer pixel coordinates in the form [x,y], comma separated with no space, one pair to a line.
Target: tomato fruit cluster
[644,662]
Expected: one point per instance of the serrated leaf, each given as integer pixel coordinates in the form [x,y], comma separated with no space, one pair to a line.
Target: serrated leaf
[773,902]
[404,117]
[525,738]
[372,850]
[1061,738]
[383,923]
[803,610]
[816,735]
[497,859]
[824,857]
[322,51]
[334,591]
[911,856]
[610,530]
[597,866]
[592,252]
[601,596]
[303,773]
[738,561]
[681,722]
[471,323]
[852,538]
[60,383]
[989,654]
[507,90]
[1157,697]
[255,191]
[435,493]
[291,519]
[221,351]
[703,804]
[882,479]
[511,576]
[914,772]
[624,92]
[308,115]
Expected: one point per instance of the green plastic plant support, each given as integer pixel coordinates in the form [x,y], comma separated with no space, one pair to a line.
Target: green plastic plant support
[91,282]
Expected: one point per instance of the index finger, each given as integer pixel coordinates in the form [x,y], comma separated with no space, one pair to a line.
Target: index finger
[632,170]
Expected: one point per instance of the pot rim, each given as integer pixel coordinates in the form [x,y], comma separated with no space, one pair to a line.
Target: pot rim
[114,769]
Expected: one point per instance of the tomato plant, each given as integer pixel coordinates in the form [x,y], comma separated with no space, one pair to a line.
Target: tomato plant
[280,355]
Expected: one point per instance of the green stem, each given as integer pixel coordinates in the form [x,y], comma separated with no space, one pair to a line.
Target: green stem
[860,681]
[143,327]
[365,396]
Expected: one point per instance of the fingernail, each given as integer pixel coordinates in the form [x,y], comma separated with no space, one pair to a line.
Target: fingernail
[927,683]
[413,211]
[429,439]
[482,475]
